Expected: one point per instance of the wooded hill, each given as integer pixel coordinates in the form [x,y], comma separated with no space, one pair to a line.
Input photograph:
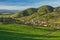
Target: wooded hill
[43,16]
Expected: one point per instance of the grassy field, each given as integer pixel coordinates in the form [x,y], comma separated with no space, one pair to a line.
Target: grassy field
[25,32]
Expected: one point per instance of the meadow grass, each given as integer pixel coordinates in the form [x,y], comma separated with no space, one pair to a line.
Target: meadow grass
[26,32]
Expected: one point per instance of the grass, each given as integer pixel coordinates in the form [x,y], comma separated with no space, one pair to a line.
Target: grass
[25,32]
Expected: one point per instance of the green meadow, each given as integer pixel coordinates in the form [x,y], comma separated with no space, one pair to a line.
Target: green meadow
[25,32]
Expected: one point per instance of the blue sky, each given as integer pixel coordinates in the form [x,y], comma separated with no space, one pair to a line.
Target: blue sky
[23,4]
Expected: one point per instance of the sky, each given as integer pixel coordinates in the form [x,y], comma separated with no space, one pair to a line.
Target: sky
[24,4]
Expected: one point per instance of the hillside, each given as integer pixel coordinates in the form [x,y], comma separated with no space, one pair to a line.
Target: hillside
[26,12]
[42,16]
[41,23]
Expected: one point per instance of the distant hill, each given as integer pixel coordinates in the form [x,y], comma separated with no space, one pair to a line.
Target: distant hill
[26,12]
[44,15]
[5,10]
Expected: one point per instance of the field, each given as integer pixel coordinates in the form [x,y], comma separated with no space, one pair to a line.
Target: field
[25,32]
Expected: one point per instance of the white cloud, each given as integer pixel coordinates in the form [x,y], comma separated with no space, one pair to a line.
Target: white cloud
[17,7]
[52,3]
[14,7]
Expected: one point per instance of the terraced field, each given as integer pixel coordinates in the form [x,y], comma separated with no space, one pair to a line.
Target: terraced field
[25,32]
